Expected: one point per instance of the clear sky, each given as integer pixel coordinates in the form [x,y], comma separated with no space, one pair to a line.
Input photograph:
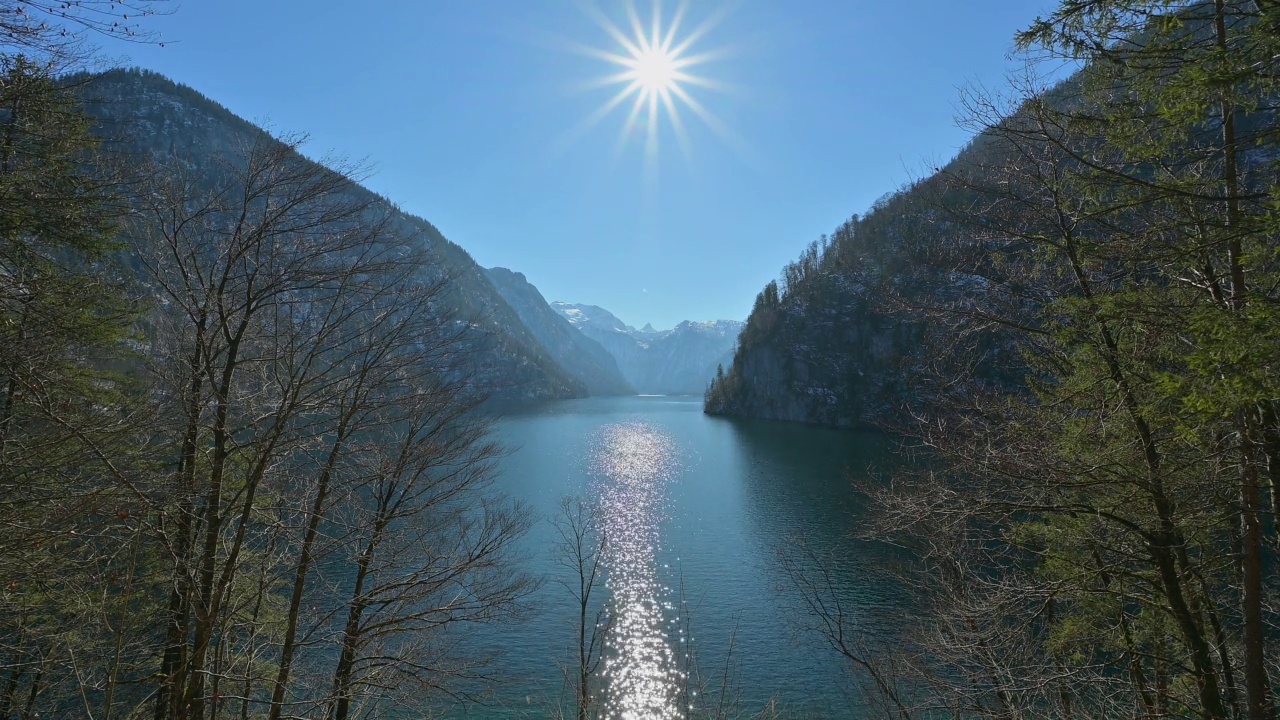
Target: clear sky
[471,114]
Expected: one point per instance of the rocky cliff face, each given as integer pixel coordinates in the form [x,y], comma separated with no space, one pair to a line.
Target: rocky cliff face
[831,361]
[680,361]
[583,358]
[147,115]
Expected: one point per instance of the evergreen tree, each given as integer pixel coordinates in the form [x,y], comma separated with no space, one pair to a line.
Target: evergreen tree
[71,497]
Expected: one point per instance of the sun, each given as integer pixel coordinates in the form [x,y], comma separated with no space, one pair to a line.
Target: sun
[656,68]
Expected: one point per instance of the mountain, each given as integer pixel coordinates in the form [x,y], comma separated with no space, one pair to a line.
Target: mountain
[684,359]
[886,315]
[591,316]
[146,115]
[583,358]
[679,361]
[851,337]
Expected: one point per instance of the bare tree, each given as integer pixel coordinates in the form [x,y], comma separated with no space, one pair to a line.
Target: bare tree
[293,319]
[399,336]
[56,31]
[581,550]
[430,551]
[813,578]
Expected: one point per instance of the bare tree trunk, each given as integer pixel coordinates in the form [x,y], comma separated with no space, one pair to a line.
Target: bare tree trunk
[1257,686]
[1271,451]
[206,607]
[581,551]
[300,575]
[17,668]
[32,692]
[178,613]
[351,635]
[122,624]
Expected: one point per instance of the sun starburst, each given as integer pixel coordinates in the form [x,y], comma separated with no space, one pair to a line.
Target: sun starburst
[656,69]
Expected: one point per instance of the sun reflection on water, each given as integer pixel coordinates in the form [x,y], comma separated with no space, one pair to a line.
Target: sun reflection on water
[632,464]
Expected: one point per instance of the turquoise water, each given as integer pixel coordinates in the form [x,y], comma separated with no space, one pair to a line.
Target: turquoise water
[699,511]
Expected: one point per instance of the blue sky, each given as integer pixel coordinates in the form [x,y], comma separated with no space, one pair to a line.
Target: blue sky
[466,112]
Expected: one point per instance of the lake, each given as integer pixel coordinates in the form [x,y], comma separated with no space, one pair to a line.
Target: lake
[699,511]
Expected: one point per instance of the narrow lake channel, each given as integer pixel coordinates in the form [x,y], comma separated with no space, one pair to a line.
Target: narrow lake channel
[699,511]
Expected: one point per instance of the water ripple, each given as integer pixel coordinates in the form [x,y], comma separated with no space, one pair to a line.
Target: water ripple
[632,464]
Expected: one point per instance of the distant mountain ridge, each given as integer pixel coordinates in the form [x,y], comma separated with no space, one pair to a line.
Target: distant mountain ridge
[679,361]
[581,316]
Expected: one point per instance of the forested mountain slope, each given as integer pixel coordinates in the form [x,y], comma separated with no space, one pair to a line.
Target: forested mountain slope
[582,357]
[144,114]
[820,345]
[913,301]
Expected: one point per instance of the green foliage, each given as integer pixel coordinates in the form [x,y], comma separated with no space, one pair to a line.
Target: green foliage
[1097,539]
[72,517]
